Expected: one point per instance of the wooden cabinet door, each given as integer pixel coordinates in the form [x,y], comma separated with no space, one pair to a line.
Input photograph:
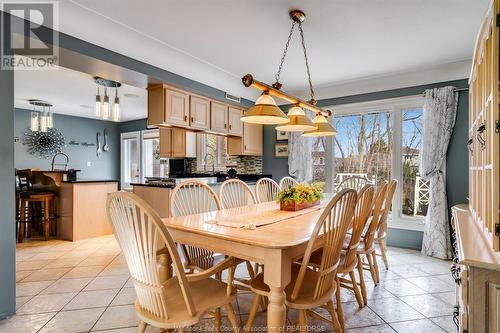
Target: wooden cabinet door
[165,142]
[178,142]
[218,118]
[176,107]
[252,139]
[156,105]
[235,124]
[199,113]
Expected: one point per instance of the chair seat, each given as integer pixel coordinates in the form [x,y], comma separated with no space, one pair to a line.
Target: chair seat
[207,294]
[306,294]
[34,195]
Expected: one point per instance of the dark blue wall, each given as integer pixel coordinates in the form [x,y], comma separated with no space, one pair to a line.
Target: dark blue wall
[106,166]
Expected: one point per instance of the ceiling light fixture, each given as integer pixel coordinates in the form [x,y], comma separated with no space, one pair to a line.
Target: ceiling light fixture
[264,113]
[323,127]
[41,120]
[104,110]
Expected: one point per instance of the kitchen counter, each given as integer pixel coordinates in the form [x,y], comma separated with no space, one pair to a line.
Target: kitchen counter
[89,180]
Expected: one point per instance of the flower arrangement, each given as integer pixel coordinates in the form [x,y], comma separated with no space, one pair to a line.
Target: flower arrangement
[299,197]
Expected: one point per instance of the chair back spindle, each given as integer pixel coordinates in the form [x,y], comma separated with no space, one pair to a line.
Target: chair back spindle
[235,193]
[266,189]
[287,182]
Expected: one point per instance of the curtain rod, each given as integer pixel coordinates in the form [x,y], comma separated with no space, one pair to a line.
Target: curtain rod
[456,90]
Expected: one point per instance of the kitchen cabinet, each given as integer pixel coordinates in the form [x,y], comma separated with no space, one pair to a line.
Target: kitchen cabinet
[167,106]
[177,143]
[235,124]
[218,121]
[249,144]
[199,113]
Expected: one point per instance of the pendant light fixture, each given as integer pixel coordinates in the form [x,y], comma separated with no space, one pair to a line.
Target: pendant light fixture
[323,127]
[298,121]
[104,110]
[41,120]
[263,111]
[97,110]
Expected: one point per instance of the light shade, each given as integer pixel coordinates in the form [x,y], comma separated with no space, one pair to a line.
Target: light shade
[323,127]
[265,112]
[35,121]
[298,121]
[43,122]
[97,110]
[116,110]
[105,107]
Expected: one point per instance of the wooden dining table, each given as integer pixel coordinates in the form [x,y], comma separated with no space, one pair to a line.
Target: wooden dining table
[275,245]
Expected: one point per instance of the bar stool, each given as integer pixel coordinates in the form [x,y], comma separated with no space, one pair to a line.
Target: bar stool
[29,201]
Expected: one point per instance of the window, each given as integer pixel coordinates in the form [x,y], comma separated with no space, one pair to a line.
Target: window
[380,140]
[211,152]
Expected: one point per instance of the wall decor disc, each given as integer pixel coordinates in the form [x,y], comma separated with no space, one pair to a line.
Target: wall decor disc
[44,144]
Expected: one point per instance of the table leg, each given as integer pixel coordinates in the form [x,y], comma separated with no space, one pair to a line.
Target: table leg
[276,276]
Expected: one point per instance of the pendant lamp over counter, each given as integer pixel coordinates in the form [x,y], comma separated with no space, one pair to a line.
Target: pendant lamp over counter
[266,112]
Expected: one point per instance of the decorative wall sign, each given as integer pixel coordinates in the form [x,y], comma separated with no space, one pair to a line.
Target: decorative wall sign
[44,144]
[281,150]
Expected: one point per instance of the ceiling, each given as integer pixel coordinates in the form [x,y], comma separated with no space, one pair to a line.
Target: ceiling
[73,93]
[216,42]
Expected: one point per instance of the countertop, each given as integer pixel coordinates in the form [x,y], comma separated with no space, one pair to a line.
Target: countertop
[247,178]
[89,180]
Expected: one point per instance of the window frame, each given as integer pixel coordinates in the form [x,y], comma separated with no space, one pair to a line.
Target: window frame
[200,153]
[395,106]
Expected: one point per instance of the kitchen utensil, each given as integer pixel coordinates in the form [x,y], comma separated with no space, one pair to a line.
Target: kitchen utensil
[105,147]
[99,151]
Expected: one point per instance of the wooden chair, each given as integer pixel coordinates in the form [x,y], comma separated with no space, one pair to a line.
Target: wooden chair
[366,245]
[164,301]
[354,182]
[28,199]
[287,182]
[381,237]
[194,197]
[236,193]
[314,287]
[266,190]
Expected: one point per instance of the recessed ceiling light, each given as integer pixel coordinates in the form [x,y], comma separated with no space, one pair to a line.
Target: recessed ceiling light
[86,106]
[131,95]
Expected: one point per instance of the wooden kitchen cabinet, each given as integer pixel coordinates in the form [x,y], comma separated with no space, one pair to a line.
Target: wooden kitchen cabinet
[235,124]
[249,144]
[218,121]
[167,106]
[199,113]
[177,143]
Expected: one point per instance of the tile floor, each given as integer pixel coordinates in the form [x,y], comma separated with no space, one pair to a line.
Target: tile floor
[84,287]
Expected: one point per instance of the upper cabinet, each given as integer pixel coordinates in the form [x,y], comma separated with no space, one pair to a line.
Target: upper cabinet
[199,113]
[235,124]
[249,144]
[177,142]
[218,117]
[167,106]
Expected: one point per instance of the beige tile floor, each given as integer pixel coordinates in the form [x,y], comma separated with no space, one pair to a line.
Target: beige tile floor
[84,287]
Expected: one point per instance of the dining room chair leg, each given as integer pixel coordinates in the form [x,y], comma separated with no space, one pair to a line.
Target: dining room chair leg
[302,321]
[372,268]
[362,280]
[355,288]
[142,327]
[253,312]
[217,320]
[340,310]
[250,270]
[335,320]
[375,266]
[383,252]
[232,317]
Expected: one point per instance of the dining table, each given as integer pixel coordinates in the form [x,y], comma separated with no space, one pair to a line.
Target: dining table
[254,237]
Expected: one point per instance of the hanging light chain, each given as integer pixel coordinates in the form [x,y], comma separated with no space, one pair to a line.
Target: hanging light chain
[277,76]
[313,100]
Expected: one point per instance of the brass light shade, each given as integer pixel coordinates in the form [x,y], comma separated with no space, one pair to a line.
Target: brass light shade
[298,121]
[323,128]
[265,112]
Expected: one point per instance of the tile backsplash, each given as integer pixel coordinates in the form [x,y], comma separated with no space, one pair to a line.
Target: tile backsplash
[242,164]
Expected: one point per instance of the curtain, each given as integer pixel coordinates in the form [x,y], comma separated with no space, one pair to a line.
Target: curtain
[300,155]
[440,107]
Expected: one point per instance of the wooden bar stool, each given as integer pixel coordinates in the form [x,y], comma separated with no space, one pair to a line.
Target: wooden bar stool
[29,200]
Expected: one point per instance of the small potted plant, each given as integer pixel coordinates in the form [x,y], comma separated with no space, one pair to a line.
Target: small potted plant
[299,197]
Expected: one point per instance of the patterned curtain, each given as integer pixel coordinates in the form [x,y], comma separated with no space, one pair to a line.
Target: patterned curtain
[440,108]
[300,156]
